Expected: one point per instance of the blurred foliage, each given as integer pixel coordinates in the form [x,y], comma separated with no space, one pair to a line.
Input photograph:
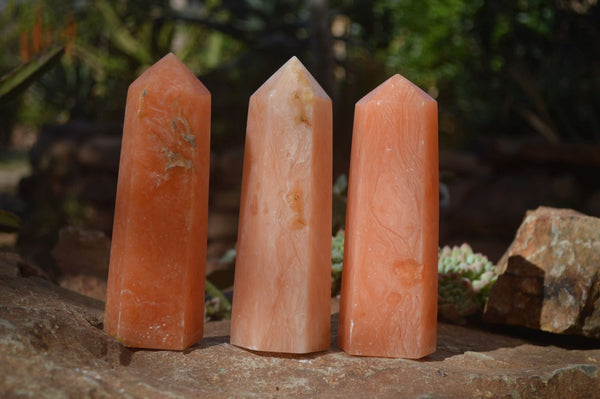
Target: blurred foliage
[496,66]
[19,78]
[339,200]
[218,307]
[337,262]
[9,222]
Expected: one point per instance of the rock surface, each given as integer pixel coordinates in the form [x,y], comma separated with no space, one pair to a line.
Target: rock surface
[73,181]
[52,345]
[550,275]
[82,251]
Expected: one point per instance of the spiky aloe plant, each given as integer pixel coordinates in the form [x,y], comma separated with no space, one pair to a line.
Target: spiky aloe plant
[464,282]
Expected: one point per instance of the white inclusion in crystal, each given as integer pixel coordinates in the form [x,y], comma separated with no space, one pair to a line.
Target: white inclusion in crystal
[351,328]
[388,149]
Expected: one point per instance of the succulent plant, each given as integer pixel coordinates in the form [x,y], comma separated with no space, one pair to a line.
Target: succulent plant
[464,282]
[337,260]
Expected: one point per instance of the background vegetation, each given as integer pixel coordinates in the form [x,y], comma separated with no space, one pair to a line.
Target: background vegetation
[496,67]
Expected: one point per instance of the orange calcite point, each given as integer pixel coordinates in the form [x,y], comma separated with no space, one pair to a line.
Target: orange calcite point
[389,283]
[155,295]
[282,282]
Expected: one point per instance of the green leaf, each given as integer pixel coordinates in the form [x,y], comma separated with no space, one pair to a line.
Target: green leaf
[120,35]
[19,78]
[9,221]
[224,304]
[229,256]
[340,185]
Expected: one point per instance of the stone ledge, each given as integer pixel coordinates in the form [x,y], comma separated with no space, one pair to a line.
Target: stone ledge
[52,345]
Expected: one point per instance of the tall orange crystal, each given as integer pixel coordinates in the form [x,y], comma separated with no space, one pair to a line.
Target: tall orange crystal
[155,295]
[389,283]
[282,282]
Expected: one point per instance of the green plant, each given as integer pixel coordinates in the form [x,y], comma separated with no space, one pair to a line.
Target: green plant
[13,83]
[464,279]
[464,282]
[9,222]
[218,307]
[337,260]
[22,76]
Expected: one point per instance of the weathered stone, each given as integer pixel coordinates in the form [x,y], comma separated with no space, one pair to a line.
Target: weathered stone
[92,286]
[226,200]
[58,159]
[222,225]
[228,167]
[52,345]
[98,218]
[9,264]
[549,275]
[101,152]
[12,265]
[82,251]
[97,188]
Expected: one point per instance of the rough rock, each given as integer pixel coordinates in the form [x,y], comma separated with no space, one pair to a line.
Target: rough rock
[592,204]
[92,286]
[228,167]
[222,226]
[10,264]
[101,152]
[226,200]
[82,251]
[52,346]
[97,188]
[549,276]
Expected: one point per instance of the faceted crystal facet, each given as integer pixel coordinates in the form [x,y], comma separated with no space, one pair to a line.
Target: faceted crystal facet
[155,295]
[283,267]
[389,283]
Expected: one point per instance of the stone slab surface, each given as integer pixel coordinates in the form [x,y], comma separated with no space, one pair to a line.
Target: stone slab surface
[52,346]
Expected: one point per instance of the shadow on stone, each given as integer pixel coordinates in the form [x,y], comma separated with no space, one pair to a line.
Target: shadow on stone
[125,356]
[208,342]
[518,295]
[297,356]
[543,338]
[453,340]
